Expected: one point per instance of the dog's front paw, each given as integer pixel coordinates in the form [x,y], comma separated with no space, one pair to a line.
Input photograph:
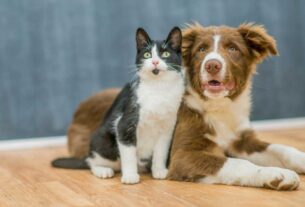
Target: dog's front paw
[159,173]
[278,178]
[130,178]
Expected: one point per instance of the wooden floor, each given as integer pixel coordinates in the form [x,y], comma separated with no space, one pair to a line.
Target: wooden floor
[26,179]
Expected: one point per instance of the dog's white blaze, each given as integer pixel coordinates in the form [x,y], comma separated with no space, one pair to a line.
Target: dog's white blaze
[216,42]
[214,55]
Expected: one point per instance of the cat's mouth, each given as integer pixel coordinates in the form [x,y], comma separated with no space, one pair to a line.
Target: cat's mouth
[155,71]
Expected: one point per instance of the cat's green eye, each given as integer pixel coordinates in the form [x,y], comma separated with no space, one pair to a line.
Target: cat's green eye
[147,55]
[165,54]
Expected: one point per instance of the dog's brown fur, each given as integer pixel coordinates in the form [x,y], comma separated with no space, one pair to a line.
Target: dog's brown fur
[192,148]
[86,119]
[248,142]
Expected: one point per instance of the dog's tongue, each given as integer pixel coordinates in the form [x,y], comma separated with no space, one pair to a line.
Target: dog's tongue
[215,86]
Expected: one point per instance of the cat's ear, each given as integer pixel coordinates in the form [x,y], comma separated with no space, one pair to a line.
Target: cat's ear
[142,39]
[174,39]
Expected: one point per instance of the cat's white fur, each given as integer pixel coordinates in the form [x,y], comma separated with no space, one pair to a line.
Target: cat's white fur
[159,97]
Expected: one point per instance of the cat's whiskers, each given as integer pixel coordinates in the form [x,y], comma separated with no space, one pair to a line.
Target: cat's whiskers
[135,68]
[164,45]
[174,66]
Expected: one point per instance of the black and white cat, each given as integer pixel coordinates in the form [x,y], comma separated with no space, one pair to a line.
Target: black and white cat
[137,130]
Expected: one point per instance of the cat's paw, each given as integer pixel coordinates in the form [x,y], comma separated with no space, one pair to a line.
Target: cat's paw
[102,172]
[130,178]
[279,179]
[159,173]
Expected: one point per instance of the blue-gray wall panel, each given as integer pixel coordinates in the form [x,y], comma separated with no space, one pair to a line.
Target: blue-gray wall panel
[54,53]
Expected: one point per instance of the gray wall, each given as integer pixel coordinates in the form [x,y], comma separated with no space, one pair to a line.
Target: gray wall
[54,53]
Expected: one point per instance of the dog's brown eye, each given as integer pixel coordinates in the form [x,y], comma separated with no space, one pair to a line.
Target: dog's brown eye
[232,48]
[202,49]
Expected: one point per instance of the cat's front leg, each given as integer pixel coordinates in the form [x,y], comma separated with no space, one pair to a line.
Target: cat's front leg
[125,131]
[160,155]
[128,155]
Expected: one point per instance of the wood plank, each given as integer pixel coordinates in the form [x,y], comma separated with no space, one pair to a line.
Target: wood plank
[27,179]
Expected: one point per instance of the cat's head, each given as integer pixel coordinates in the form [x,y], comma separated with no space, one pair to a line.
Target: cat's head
[155,58]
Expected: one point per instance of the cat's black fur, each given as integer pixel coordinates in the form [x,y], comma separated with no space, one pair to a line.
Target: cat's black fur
[104,140]
[124,104]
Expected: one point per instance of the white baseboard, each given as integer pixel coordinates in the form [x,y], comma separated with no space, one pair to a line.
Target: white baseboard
[61,140]
[275,124]
[32,143]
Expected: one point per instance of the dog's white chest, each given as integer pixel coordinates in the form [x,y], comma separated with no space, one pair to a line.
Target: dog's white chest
[227,119]
[225,116]
[225,126]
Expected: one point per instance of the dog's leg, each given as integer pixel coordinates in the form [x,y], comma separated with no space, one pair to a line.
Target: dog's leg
[244,173]
[210,166]
[248,147]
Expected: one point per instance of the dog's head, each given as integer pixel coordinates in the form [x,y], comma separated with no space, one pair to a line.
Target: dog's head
[221,60]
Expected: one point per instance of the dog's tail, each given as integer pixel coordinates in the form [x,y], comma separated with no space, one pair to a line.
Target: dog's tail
[70,163]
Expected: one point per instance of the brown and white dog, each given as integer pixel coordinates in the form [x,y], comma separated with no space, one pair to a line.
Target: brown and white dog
[213,141]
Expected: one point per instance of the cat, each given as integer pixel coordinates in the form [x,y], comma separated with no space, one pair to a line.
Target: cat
[137,130]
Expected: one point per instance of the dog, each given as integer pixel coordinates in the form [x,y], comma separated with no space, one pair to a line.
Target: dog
[213,141]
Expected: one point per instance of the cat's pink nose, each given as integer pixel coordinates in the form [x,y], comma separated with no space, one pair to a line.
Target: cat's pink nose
[155,62]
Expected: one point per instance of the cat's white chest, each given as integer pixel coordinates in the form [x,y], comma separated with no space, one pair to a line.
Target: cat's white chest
[158,106]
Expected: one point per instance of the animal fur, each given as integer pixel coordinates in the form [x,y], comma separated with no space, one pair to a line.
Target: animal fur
[213,141]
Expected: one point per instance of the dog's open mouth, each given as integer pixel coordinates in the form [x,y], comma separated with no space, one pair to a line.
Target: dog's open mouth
[216,86]
[214,83]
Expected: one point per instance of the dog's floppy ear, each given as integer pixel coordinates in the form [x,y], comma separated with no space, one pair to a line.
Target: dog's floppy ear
[189,36]
[259,42]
